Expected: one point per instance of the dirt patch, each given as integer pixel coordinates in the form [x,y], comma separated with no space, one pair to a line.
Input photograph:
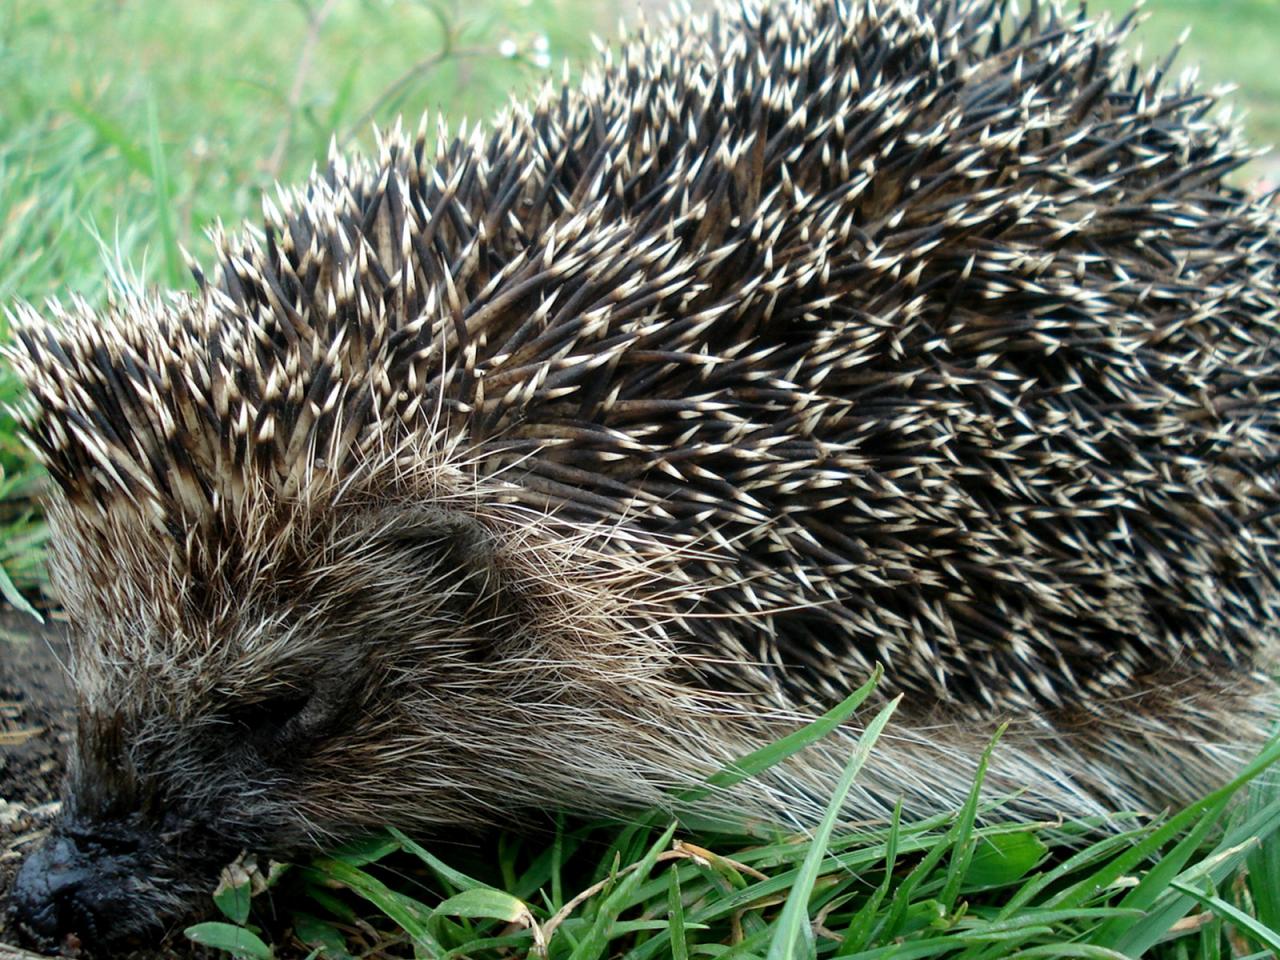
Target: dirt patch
[36,717]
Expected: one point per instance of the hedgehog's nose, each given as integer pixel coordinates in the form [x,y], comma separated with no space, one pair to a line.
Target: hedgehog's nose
[58,892]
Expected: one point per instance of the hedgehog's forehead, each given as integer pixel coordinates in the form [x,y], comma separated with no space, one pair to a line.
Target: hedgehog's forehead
[170,630]
[146,581]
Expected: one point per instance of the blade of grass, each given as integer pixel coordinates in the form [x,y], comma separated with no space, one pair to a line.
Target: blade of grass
[768,756]
[1264,862]
[15,597]
[795,912]
[456,877]
[1254,928]
[408,913]
[163,195]
[675,918]
[962,851]
[858,933]
[237,941]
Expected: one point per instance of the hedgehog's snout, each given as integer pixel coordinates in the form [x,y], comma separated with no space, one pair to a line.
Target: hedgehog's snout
[53,894]
[90,889]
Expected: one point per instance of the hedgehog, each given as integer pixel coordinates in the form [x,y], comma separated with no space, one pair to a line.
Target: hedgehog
[560,463]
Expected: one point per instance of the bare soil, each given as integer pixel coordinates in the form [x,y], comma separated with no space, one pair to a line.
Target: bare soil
[36,717]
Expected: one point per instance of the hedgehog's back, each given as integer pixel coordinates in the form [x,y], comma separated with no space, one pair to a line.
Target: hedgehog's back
[949,339]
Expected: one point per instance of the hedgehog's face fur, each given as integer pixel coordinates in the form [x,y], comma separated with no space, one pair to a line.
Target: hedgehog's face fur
[267,690]
[214,675]
[226,706]
[210,673]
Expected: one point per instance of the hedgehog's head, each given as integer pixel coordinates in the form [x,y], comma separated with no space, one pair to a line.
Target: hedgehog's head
[275,642]
[237,694]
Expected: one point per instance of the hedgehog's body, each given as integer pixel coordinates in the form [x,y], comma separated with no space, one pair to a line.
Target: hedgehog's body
[566,466]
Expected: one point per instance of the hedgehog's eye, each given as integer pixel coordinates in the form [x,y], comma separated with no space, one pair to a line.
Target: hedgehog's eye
[268,718]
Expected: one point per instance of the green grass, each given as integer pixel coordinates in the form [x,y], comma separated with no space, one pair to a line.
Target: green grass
[127,127]
[1233,42]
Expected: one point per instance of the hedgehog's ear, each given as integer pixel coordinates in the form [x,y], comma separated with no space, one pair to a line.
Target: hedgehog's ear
[445,553]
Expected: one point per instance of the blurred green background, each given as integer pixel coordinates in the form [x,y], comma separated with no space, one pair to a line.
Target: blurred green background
[128,126]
